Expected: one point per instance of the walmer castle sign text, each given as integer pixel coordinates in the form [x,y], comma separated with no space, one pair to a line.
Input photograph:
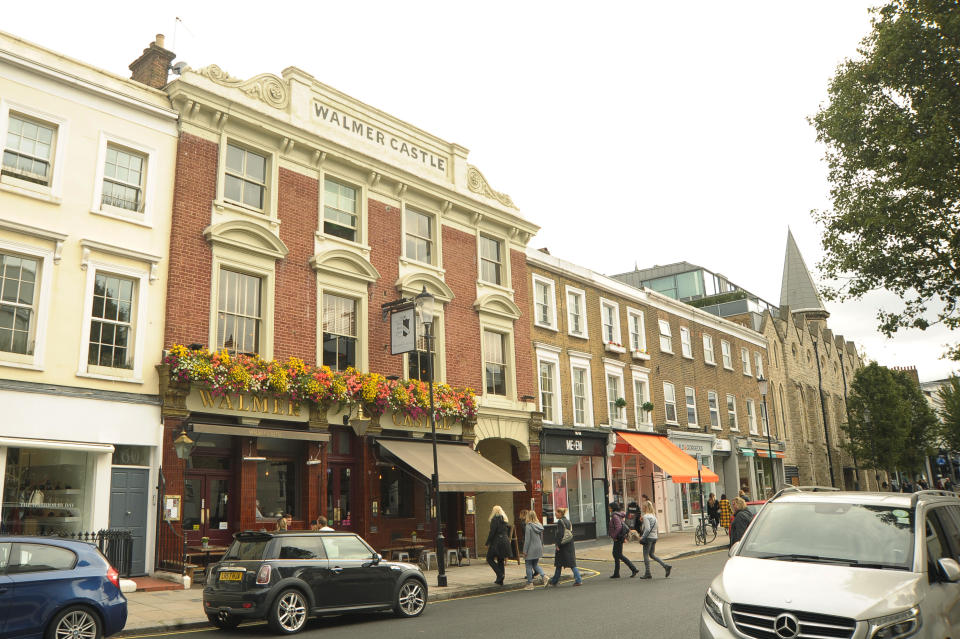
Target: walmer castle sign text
[373,134]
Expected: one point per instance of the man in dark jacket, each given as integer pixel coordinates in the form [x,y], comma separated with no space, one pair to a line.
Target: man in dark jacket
[618,532]
[741,519]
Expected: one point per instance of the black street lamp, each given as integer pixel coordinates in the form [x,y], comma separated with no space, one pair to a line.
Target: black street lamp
[183,446]
[424,303]
[766,422]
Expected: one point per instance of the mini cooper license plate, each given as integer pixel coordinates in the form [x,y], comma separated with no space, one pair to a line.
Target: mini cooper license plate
[231,575]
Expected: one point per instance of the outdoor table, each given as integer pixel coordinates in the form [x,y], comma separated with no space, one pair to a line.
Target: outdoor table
[205,552]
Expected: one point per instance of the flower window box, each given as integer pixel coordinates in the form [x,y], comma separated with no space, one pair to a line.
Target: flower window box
[639,354]
[613,347]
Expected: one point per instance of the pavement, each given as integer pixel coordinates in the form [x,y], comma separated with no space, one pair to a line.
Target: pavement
[151,612]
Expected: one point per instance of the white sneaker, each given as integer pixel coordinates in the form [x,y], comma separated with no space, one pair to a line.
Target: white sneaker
[529,586]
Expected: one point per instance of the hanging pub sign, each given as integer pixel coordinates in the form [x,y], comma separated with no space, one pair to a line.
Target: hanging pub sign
[403,331]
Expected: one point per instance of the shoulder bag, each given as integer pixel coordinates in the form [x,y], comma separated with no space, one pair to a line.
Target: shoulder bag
[567,536]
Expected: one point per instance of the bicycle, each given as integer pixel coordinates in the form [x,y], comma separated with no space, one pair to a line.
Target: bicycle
[704,533]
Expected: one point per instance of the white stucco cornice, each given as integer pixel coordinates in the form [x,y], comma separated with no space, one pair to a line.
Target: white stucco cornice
[498,304]
[345,263]
[645,296]
[413,283]
[38,232]
[118,251]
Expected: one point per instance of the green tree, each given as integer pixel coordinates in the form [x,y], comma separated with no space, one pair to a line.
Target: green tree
[879,418]
[950,413]
[923,430]
[891,130]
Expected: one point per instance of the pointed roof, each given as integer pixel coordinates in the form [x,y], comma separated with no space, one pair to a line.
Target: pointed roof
[797,289]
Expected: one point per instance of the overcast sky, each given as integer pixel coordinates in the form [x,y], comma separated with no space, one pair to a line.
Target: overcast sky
[633,133]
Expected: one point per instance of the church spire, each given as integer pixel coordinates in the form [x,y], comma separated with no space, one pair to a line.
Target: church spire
[797,290]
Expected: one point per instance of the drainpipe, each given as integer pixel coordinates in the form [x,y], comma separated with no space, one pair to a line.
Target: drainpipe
[823,412]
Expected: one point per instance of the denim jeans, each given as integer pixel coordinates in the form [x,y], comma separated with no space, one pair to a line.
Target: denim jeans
[556,575]
[648,549]
[533,568]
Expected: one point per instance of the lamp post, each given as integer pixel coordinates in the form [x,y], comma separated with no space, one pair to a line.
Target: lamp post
[762,383]
[183,446]
[424,303]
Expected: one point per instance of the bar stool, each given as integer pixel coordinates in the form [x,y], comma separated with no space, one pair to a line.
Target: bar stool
[401,555]
[464,556]
[453,556]
[425,558]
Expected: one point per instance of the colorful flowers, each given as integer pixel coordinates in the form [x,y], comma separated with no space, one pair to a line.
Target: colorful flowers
[300,382]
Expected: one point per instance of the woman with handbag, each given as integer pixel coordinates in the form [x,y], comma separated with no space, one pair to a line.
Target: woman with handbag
[649,541]
[565,555]
[498,543]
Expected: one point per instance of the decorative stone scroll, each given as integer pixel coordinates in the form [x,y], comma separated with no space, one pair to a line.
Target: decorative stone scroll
[265,87]
[478,184]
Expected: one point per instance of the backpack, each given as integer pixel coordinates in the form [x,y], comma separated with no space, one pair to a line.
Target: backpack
[623,531]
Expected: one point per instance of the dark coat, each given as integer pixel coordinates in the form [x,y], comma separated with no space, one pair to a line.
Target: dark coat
[566,555]
[498,540]
[739,526]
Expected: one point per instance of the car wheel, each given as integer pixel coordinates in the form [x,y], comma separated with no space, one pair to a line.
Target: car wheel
[411,599]
[75,623]
[288,614]
[224,620]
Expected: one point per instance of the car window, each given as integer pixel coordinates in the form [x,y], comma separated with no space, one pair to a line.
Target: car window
[39,557]
[4,555]
[950,520]
[301,548]
[247,549]
[937,545]
[346,547]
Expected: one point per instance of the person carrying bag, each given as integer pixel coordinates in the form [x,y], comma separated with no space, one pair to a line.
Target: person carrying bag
[565,554]
[618,532]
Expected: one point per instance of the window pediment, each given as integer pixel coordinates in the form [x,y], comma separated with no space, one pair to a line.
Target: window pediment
[497,304]
[345,263]
[247,236]
[412,284]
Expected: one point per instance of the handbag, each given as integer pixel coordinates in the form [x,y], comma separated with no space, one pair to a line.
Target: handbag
[567,536]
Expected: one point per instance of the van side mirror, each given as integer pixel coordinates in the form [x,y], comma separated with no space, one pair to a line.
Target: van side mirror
[733,549]
[949,569]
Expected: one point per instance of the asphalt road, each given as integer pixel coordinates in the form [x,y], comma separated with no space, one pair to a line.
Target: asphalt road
[601,608]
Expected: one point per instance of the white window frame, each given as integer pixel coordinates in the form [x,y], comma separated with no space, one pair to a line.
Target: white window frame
[256,266]
[714,410]
[612,370]
[745,360]
[504,271]
[271,173]
[758,363]
[551,287]
[552,357]
[143,218]
[666,333]
[582,363]
[641,418]
[510,372]
[52,192]
[686,346]
[616,338]
[582,295]
[667,403]
[42,302]
[359,302]
[727,354]
[139,320]
[732,402]
[361,241]
[436,266]
[636,314]
[708,339]
[688,393]
[752,417]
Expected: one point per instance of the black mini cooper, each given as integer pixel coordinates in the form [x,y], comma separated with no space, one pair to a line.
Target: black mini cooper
[285,577]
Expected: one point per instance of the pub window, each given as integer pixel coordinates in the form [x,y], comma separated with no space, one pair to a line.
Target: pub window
[238,313]
[491,260]
[396,493]
[418,362]
[339,210]
[339,332]
[495,362]
[419,241]
[277,489]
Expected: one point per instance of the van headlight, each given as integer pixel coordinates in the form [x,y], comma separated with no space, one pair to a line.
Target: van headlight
[715,607]
[902,624]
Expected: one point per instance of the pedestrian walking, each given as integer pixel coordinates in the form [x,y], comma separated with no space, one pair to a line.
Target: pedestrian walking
[565,554]
[618,532]
[533,549]
[498,543]
[633,514]
[713,512]
[741,519]
[726,514]
[649,541]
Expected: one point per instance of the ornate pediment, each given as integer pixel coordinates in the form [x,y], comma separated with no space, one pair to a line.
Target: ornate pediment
[497,304]
[265,87]
[246,236]
[478,184]
[345,263]
[413,283]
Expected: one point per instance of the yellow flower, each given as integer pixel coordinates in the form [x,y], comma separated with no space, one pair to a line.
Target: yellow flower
[240,376]
[279,380]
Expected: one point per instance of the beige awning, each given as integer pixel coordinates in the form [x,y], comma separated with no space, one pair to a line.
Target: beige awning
[462,470]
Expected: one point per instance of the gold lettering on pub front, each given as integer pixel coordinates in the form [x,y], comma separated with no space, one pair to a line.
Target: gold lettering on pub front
[259,404]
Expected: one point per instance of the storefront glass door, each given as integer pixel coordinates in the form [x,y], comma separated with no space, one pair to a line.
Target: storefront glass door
[206,508]
[340,497]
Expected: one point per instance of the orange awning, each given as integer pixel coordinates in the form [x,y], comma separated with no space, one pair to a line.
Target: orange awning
[681,467]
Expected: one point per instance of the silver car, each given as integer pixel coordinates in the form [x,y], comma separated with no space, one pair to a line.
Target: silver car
[842,564]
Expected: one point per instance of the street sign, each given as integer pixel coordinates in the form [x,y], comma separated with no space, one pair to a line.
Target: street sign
[403,331]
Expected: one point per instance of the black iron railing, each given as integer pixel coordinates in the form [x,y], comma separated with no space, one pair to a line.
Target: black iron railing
[171,546]
[116,545]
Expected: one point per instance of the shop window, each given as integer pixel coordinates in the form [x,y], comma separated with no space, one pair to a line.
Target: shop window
[239,312]
[278,491]
[491,260]
[47,491]
[339,332]
[245,178]
[568,482]
[340,210]
[396,493]
[19,294]
[495,363]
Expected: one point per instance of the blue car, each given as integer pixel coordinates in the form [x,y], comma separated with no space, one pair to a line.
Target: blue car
[57,589]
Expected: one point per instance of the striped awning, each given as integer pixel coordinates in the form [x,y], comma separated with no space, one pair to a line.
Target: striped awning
[763,452]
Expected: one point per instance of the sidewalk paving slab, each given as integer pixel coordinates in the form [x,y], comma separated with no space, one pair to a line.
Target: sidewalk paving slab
[156,612]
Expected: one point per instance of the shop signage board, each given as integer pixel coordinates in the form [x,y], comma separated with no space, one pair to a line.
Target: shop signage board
[202,400]
[575,443]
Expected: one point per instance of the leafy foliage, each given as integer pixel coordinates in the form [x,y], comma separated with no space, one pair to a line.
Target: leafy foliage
[950,413]
[891,131]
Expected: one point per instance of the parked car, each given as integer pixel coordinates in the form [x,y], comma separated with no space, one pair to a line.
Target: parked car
[59,589]
[286,577]
[755,506]
[842,564]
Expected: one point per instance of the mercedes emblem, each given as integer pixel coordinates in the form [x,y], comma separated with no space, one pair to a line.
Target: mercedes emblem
[786,626]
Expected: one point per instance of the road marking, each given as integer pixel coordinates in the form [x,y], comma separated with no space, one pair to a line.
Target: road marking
[503,592]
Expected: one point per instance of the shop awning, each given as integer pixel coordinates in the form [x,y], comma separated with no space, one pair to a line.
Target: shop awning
[462,470]
[763,452]
[681,467]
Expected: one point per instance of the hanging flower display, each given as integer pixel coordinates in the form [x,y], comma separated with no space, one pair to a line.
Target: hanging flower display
[223,373]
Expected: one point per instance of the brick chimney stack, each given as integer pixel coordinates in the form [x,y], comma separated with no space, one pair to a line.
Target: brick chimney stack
[151,67]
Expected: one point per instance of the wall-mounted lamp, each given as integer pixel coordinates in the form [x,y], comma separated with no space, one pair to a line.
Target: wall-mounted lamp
[195,346]
[183,445]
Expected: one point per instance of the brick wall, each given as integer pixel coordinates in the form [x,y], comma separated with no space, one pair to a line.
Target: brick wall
[383,229]
[461,322]
[526,384]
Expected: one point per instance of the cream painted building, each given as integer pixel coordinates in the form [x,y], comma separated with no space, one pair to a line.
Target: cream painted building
[85,204]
